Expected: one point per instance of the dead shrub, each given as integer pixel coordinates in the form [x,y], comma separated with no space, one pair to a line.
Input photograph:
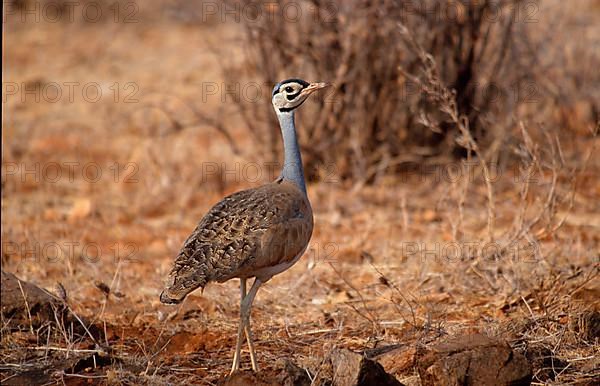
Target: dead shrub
[376,119]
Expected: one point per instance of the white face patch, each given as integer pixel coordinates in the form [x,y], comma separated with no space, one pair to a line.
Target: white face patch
[289,96]
[290,90]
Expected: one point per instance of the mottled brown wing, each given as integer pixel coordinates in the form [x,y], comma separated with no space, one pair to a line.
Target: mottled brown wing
[247,231]
[283,242]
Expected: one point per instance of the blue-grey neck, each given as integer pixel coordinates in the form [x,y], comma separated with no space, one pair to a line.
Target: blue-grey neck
[292,160]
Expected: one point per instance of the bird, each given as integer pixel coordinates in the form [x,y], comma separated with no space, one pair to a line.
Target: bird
[255,233]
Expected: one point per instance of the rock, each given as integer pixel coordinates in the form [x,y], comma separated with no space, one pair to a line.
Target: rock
[412,380]
[290,375]
[26,305]
[247,378]
[472,360]
[293,375]
[351,369]
[398,361]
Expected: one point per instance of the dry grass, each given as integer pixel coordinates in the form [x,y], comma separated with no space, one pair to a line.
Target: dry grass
[410,257]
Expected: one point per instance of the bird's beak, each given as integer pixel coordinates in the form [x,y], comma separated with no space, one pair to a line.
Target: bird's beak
[314,87]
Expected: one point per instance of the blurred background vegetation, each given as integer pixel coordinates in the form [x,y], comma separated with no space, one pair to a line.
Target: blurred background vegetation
[507,61]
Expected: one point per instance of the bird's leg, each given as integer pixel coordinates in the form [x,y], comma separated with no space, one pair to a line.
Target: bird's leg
[247,329]
[245,313]
[238,345]
[248,332]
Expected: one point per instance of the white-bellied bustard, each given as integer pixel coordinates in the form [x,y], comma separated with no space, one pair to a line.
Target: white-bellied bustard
[255,233]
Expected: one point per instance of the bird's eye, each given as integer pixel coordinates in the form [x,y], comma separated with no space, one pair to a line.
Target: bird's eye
[289,89]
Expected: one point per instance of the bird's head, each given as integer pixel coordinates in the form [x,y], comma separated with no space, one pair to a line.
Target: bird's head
[289,94]
[182,280]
